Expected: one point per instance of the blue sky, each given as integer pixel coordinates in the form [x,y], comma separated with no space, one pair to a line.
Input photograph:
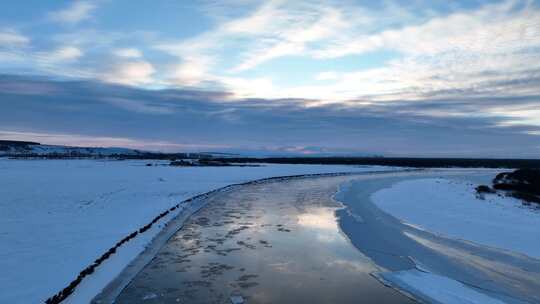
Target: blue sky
[442,78]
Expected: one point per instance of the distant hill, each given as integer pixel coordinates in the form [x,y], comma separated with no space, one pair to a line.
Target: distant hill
[25,148]
[28,149]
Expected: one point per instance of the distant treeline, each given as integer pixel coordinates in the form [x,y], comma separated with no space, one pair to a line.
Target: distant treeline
[394,161]
[17,143]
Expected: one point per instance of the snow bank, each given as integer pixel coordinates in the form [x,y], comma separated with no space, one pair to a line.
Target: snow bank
[451,208]
[433,288]
[58,216]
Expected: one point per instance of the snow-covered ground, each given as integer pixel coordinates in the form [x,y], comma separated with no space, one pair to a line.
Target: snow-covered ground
[451,208]
[433,288]
[58,216]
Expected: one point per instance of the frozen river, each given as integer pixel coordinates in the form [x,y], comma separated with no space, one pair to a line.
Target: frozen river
[289,241]
[275,242]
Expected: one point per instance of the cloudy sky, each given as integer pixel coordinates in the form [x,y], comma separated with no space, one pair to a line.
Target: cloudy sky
[413,78]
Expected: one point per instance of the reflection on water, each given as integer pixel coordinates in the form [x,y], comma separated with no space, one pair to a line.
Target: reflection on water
[319,218]
[321,223]
[269,243]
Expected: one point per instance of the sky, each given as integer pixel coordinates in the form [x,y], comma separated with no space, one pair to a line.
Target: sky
[393,78]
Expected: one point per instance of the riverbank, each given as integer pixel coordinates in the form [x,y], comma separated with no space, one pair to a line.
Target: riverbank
[58,217]
[429,266]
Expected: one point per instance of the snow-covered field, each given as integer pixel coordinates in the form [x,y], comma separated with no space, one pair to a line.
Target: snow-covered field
[451,208]
[58,216]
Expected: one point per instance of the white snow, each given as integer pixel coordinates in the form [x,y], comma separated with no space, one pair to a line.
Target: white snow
[436,289]
[58,216]
[451,208]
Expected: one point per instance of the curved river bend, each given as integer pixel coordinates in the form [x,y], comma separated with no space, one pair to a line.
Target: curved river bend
[274,242]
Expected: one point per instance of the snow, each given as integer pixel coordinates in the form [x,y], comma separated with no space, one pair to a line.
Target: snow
[66,150]
[433,288]
[451,208]
[58,216]
[150,296]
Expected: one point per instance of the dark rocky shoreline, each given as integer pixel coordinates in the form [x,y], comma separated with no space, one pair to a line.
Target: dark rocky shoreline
[523,184]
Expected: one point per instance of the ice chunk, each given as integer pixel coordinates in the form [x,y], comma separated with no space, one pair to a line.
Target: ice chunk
[237,300]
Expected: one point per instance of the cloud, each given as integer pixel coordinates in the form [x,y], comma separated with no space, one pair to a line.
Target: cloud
[520,115]
[11,38]
[13,48]
[290,35]
[74,139]
[493,28]
[488,49]
[267,53]
[192,71]
[329,75]
[138,106]
[194,63]
[273,30]
[75,13]
[23,86]
[65,53]
[61,61]
[472,126]
[128,53]
[248,87]
[131,73]
[265,17]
